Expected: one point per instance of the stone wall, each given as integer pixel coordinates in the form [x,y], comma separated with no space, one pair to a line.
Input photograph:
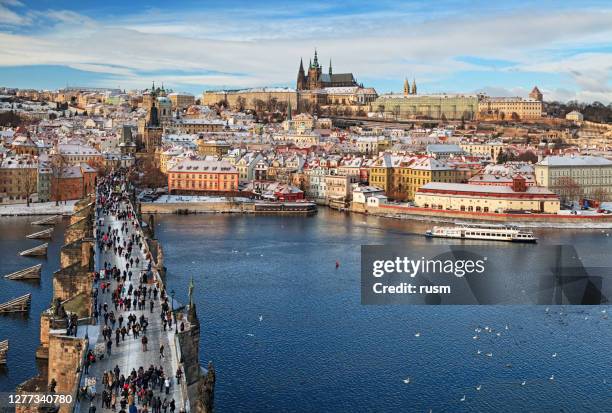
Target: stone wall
[192,207]
[42,352]
[67,283]
[70,254]
[73,282]
[66,356]
[78,230]
[395,211]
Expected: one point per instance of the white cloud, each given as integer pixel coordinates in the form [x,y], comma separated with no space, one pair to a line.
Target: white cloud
[238,49]
[10,17]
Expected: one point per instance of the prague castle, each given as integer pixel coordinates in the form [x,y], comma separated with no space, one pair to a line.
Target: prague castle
[316,79]
[315,91]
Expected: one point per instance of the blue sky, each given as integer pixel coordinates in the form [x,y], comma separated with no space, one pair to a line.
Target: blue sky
[447,46]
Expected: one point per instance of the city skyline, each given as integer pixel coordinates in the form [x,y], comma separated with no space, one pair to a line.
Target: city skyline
[501,50]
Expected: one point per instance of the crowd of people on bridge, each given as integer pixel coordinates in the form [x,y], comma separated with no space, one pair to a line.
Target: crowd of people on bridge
[126,286]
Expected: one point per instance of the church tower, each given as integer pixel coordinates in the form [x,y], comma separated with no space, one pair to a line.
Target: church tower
[536,94]
[406,87]
[330,69]
[152,134]
[301,78]
[414,88]
[314,73]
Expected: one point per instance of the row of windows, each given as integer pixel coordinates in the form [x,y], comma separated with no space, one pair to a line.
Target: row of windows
[202,176]
[202,185]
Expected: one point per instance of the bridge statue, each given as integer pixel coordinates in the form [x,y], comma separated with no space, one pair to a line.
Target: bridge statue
[57,309]
[207,390]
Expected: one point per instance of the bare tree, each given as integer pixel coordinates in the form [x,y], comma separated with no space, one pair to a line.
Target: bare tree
[569,190]
[152,176]
[30,183]
[600,195]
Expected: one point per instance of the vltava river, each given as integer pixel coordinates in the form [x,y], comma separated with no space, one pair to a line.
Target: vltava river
[318,349]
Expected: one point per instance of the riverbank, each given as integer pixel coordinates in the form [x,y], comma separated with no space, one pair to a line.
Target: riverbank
[171,204]
[568,221]
[39,208]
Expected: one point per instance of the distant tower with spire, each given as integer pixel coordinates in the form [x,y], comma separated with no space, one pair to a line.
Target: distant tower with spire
[301,78]
[414,87]
[406,87]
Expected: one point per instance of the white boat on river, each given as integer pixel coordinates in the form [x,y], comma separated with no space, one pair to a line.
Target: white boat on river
[483,232]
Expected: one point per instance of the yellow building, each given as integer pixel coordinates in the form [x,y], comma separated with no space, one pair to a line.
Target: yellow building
[190,126]
[18,178]
[381,172]
[181,100]
[213,148]
[574,177]
[509,108]
[492,199]
[412,106]
[484,149]
[402,176]
[252,98]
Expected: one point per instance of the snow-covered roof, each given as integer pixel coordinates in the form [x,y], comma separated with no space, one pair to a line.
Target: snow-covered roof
[575,161]
[444,148]
[497,189]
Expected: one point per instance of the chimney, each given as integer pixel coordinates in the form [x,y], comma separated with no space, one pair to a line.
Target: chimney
[519,184]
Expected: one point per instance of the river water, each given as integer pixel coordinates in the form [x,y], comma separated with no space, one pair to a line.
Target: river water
[317,348]
[23,330]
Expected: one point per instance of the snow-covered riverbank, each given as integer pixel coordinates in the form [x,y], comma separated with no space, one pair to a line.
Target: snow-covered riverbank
[42,208]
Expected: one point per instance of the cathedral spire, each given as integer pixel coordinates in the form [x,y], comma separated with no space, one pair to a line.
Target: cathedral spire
[414,87]
[301,77]
[330,67]
[316,59]
[406,87]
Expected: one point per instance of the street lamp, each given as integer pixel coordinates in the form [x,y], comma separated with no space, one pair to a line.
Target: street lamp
[175,327]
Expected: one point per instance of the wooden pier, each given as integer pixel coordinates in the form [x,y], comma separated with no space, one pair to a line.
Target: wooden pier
[30,273]
[52,220]
[44,234]
[16,305]
[38,251]
[3,350]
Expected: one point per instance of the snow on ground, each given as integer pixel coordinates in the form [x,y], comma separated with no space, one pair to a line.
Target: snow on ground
[39,208]
[164,199]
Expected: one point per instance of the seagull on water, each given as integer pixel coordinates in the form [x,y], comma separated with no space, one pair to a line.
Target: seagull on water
[478,352]
[552,377]
[250,334]
[479,387]
[475,337]
[406,380]
[524,382]
[507,328]
[489,354]
[554,355]
[260,318]
[462,399]
[417,334]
